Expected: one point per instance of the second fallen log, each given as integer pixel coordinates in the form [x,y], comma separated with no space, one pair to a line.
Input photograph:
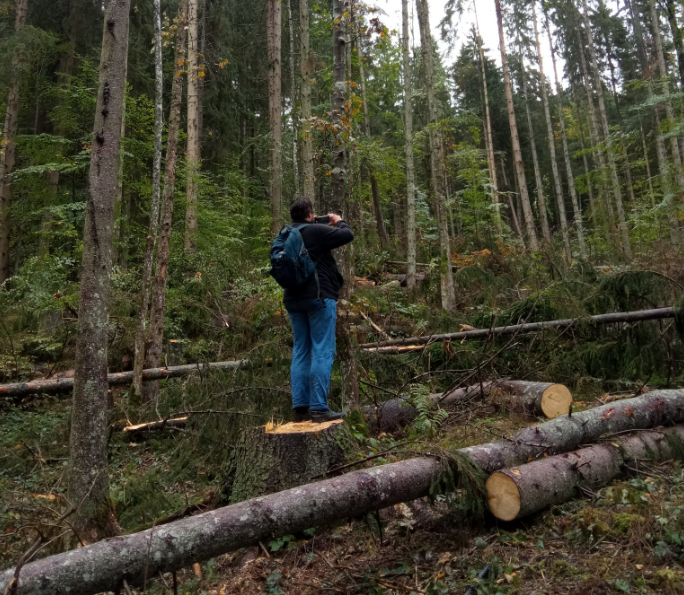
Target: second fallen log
[534,398]
[520,491]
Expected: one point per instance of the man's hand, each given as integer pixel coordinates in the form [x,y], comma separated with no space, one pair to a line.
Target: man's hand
[334,219]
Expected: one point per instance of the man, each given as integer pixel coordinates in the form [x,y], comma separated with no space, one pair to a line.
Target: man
[312,308]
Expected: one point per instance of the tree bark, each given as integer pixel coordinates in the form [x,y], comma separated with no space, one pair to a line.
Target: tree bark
[541,199]
[375,192]
[535,398]
[438,168]
[88,485]
[491,161]
[274,40]
[307,64]
[558,186]
[577,208]
[521,491]
[103,566]
[517,153]
[153,350]
[193,142]
[151,241]
[58,385]
[677,37]
[272,459]
[408,149]
[7,157]
[293,100]
[347,359]
[624,230]
[637,316]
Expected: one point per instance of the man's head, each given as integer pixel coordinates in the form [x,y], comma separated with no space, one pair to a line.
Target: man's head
[301,209]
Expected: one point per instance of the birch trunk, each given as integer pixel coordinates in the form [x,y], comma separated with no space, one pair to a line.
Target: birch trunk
[377,205]
[153,350]
[193,143]
[151,241]
[624,230]
[7,157]
[307,62]
[489,141]
[674,144]
[436,160]
[408,150]
[517,153]
[558,186]
[576,206]
[541,199]
[293,100]
[88,483]
[274,40]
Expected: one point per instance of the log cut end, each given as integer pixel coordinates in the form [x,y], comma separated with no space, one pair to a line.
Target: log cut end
[300,428]
[556,400]
[504,496]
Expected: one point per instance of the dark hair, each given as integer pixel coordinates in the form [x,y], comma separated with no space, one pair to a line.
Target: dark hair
[300,209]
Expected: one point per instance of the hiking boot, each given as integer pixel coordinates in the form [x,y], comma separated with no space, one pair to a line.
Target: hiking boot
[301,414]
[319,417]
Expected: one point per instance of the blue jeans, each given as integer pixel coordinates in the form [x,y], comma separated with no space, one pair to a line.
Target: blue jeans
[313,353]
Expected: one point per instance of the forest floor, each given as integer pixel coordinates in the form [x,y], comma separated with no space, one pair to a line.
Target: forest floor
[626,538]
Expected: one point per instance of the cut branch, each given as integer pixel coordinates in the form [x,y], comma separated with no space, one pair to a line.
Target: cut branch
[614,317]
[103,565]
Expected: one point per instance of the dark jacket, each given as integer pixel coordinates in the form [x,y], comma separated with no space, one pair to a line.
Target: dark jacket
[320,240]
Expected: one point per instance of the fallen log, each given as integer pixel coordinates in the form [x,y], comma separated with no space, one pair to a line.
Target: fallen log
[520,491]
[104,565]
[534,398]
[118,378]
[528,327]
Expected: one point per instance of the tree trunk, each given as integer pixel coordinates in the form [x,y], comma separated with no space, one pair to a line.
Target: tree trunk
[521,491]
[377,204]
[153,350]
[677,37]
[489,141]
[272,459]
[517,153]
[577,208]
[293,100]
[613,317]
[624,230]
[139,555]
[307,64]
[438,168]
[193,143]
[7,157]
[558,186]
[347,359]
[541,199]
[88,484]
[408,149]
[648,165]
[674,144]
[273,36]
[151,242]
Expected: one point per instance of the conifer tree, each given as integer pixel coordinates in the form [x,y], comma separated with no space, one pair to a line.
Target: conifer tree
[274,42]
[193,150]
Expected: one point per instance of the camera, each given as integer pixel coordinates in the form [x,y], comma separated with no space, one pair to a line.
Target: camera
[324,220]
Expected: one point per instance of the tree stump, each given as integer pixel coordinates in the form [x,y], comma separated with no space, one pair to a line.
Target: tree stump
[534,398]
[273,458]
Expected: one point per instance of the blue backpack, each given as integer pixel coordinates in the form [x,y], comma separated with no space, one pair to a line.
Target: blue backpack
[291,265]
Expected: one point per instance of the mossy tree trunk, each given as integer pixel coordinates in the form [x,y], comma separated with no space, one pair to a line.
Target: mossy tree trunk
[88,473]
